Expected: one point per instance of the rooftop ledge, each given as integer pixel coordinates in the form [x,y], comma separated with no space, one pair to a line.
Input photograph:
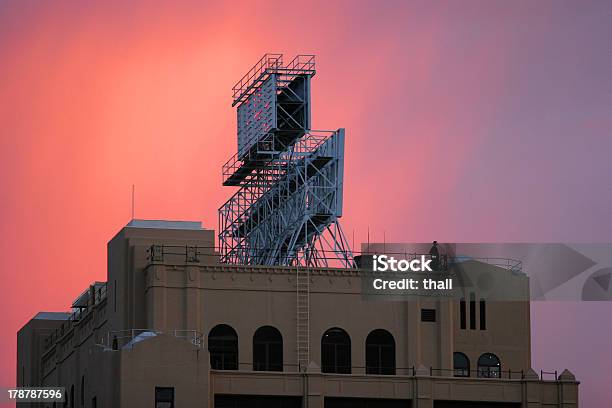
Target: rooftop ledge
[165,224]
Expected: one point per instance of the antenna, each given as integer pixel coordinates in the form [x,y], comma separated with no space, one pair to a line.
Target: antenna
[133,201]
[384,241]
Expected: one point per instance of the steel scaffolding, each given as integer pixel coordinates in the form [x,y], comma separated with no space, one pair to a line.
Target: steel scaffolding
[287,209]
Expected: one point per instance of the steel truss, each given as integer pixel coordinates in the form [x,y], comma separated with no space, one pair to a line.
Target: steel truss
[287,209]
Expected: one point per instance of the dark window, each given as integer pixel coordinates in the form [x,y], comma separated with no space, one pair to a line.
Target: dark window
[336,352]
[483,315]
[461,365]
[380,353]
[72,396]
[489,366]
[83,391]
[94,402]
[164,397]
[256,401]
[267,349]
[472,311]
[344,402]
[428,315]
[223,348]
[475,404]
[462,313]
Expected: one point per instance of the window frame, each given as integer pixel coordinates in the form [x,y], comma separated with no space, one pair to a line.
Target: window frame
[461,371]
[271,348]
[158,400]
[340,349]
[380,367]
[225,350]
[489,371]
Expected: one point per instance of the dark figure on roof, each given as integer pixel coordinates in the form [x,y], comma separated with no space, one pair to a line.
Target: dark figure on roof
[434,254]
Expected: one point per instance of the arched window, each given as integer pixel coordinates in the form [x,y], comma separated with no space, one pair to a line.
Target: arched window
[267,349]
[223,348]
[380,353]
[461,365]
[336,352]
[489,366]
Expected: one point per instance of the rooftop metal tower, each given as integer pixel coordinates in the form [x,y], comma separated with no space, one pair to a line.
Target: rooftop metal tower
[290,177]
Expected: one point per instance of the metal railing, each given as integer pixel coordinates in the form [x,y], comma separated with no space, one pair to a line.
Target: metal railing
[390,371]
[99,294]
[269,148]
[482,372]
[194,337]
[549,374]
[191,254]
[268,64]
[302,62]
[370,370]
[117,339]
[510,264]
[195,254]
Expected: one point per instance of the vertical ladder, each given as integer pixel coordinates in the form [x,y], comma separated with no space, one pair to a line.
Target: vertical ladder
[303,317]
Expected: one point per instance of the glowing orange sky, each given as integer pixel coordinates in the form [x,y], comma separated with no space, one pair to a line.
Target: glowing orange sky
[461,124]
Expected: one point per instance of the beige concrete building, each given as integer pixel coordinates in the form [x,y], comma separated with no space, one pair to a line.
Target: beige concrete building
[172,327]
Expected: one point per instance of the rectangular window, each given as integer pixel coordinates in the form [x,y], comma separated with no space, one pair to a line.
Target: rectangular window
[472,311]
[483,315]
[462,313]
[164,397]
[256,401]
[428,315]
[347,402]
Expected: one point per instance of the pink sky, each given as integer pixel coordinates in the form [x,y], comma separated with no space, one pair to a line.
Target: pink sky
[466,121]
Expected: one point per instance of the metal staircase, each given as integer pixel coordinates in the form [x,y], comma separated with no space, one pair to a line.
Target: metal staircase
[302,282]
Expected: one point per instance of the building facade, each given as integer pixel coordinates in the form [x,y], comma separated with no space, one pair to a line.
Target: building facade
[174,327]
